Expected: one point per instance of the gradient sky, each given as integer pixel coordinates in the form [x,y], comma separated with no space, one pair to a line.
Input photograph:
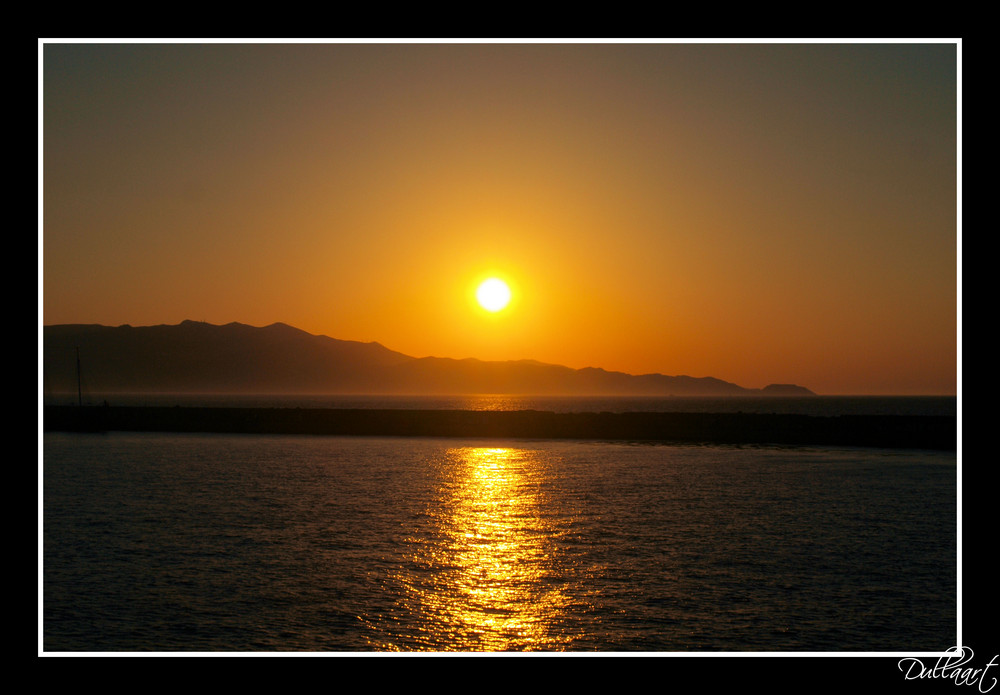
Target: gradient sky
[760,213]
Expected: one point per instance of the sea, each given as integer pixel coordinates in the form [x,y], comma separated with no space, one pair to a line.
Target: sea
[218,543]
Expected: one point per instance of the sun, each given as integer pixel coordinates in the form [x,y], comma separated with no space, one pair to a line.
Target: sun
[493,294]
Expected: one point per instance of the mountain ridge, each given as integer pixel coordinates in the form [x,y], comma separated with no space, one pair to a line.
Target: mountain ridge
[196,356]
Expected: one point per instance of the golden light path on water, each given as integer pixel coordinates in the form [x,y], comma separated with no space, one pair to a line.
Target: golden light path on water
[482,575]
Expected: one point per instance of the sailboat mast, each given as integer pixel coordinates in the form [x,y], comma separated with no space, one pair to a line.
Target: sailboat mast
[79,389]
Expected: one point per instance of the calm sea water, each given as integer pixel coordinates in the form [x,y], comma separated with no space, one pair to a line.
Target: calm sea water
[173,542]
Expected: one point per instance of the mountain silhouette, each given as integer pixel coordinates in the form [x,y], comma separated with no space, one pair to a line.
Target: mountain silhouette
[198,357]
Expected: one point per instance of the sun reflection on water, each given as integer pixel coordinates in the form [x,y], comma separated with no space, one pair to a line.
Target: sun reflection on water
[482,572]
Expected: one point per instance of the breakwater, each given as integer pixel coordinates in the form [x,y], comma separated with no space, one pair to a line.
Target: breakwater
[895,431]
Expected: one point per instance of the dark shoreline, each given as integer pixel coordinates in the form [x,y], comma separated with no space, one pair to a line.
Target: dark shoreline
[890,431]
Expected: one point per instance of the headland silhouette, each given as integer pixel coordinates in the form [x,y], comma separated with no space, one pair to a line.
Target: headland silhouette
[198,357]
[195,357]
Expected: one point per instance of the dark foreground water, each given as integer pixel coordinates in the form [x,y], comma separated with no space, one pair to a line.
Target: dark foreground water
[261,543]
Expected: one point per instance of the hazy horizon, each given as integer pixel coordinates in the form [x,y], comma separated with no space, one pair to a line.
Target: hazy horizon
[456,360]
[754,212]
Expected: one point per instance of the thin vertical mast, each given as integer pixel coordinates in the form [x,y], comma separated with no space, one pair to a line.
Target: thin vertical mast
[79,390]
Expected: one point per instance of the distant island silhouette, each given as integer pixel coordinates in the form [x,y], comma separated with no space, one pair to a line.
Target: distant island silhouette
[198,357]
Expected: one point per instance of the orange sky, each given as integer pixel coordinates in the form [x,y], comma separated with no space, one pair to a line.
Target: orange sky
[760,213]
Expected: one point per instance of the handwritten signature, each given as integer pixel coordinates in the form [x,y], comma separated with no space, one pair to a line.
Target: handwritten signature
[950,667]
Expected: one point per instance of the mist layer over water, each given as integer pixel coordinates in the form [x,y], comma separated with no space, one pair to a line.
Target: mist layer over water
[802,405]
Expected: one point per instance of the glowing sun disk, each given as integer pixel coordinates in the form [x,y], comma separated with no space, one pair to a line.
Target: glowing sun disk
[493,294]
